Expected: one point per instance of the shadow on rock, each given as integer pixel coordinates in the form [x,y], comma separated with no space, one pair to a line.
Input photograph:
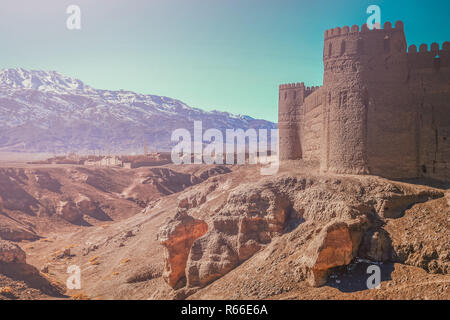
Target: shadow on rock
[355,276]
[32,277]
[101,215]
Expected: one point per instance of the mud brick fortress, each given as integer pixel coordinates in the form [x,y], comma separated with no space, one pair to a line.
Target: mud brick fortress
[383,109]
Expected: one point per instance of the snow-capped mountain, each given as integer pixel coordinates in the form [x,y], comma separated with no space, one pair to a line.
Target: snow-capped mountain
[43,111]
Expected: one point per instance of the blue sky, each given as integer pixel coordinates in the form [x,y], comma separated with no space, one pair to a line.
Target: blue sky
[212,54]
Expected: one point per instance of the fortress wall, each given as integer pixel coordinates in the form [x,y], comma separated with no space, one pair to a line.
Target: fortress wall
[435,136]
[429,84]
[408,113]
[291,97]
[311,126]
[390,114]
[392,127]
[392,132]
[433,57]
[382,110]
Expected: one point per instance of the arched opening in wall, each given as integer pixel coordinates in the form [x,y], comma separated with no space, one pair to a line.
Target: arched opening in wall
[295,95]
[342,47]
[329,98]
[285,95]
[387,44]
[360,46]
[424,168]
[330,49]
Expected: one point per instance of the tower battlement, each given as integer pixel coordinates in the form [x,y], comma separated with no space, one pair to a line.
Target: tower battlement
[346,41]
[291,97]
[355,29]
[291,86]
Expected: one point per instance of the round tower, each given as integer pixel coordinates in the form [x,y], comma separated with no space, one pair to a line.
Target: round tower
[357,64]
[291,97]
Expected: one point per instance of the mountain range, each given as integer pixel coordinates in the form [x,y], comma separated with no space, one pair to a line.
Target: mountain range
[46,111]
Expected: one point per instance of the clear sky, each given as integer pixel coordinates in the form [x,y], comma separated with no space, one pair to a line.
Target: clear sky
[228,55]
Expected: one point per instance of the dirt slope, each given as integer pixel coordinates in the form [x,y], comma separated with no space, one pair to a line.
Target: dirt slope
[297,235]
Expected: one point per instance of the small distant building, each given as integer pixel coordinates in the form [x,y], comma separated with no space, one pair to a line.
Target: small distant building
[127,165]
[90,162]
[129,162]
[111,161]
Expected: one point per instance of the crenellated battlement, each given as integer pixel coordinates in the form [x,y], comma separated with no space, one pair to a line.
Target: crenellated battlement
[296,92]
[292,85]
[434,48]
[310,90]
[357,42]
[433,57]
[355,29]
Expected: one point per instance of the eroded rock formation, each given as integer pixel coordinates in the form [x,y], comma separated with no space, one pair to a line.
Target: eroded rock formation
[86,205]
[347,216]
[69,211]
[332,247]
[11,253]
[248,220]
[177,237]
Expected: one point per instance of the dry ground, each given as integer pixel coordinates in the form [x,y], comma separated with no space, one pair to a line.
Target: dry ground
[121,258]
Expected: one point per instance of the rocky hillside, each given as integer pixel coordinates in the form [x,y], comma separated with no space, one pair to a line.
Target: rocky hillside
[227,233]
[34,201]
[19,280]
[301,228]
[44,111]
